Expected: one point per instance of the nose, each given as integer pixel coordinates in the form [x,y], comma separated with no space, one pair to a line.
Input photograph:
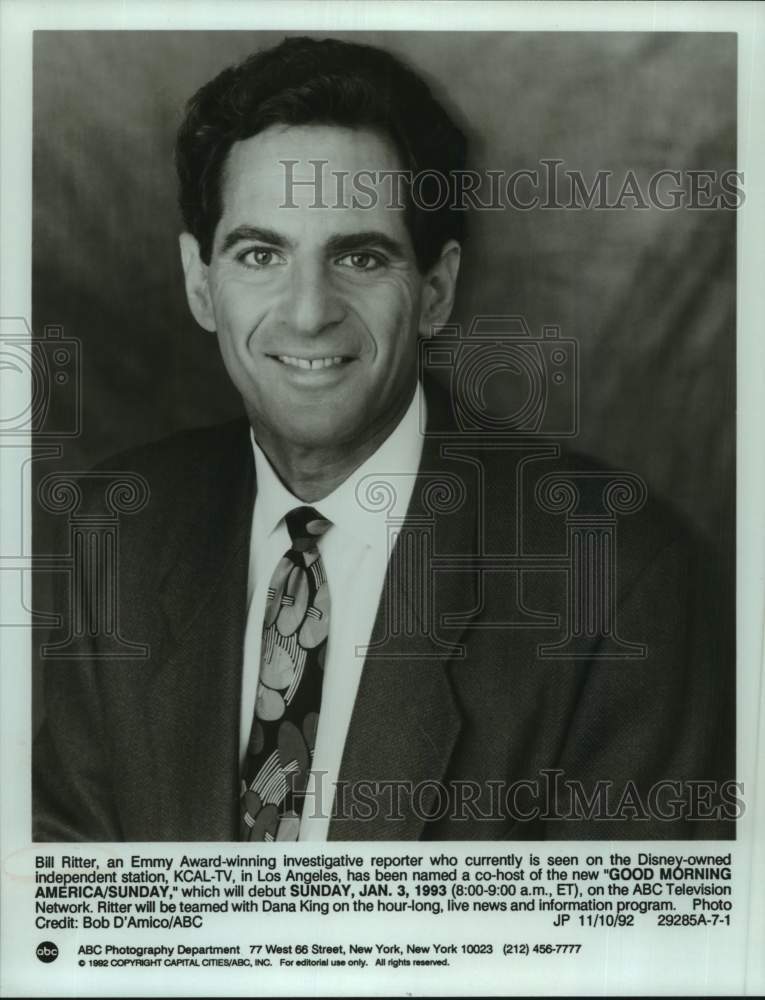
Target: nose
[311,304]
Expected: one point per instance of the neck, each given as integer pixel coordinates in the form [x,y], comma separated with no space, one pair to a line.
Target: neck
[312,472]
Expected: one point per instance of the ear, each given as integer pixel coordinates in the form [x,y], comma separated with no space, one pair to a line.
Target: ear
[439,288]
[196,273]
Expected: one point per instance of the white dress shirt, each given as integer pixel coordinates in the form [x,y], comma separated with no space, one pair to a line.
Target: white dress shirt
[355,555]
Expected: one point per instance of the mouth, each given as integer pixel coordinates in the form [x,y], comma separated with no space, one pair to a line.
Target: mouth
[311,364]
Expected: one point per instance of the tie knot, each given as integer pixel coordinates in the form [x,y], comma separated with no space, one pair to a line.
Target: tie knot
[306,526]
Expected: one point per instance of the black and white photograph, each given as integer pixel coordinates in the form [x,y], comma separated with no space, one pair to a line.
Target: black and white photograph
[383,414]
[465,548]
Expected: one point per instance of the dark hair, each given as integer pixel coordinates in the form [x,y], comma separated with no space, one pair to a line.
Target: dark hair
[325,82]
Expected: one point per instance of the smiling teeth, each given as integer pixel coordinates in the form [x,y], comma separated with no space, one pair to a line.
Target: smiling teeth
[308,364]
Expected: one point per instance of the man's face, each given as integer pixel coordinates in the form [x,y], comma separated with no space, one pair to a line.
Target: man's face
[317,310]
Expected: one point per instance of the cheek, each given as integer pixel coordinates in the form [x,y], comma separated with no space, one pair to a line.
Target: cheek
[240,309]
[389,312]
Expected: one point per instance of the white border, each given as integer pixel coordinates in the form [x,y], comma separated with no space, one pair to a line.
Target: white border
[18,18]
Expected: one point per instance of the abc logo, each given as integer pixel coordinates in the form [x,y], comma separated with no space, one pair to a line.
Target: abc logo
[47,951]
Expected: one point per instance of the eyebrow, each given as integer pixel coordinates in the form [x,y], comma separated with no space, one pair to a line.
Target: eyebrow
[244,233]
[353,242]
[340,243]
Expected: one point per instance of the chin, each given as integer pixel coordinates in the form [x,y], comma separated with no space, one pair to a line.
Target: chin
[317,436]
[317,427]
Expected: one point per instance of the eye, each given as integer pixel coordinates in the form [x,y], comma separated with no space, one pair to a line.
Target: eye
[362,261]
[258,257]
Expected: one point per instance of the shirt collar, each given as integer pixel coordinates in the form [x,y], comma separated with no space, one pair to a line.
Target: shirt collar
[398,456]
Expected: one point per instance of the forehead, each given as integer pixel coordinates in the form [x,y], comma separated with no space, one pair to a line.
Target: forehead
[312,179]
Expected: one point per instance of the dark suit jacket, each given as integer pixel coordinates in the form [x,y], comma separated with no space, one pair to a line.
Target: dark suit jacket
[146,749]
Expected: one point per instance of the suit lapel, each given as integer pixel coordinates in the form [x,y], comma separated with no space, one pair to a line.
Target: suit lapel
[406,719]
[193,696]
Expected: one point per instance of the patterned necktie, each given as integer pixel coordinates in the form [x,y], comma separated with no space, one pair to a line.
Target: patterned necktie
[280,750]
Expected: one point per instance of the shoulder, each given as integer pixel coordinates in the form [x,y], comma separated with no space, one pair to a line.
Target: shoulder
[176,489]
[197,452]
[585,493]
[186,469]
[534,489]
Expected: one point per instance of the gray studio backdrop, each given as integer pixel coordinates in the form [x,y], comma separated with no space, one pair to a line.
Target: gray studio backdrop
[648,294]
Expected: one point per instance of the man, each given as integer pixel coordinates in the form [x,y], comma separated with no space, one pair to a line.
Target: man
[322,664]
